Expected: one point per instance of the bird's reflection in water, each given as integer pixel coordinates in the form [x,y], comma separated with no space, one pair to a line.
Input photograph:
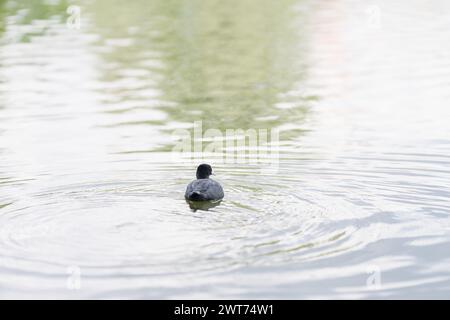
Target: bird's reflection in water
[202,205]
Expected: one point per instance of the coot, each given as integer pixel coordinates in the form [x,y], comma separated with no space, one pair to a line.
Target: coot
[204,188]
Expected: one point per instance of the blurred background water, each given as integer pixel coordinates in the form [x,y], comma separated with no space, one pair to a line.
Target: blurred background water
[91,197]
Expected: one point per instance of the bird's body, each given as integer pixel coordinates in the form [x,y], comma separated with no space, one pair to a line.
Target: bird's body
[204,188]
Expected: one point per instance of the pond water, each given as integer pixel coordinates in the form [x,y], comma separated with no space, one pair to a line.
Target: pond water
[91,200]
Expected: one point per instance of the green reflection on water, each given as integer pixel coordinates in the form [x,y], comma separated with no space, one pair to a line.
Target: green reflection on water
[227,63]
[26,12]
[3,14]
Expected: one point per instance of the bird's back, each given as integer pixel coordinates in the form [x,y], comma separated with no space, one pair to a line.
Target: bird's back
[204,189]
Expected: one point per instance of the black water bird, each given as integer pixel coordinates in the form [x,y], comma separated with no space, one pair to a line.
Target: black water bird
[204,188]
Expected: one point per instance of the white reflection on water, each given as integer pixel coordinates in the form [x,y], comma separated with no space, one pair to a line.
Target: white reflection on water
[87,179]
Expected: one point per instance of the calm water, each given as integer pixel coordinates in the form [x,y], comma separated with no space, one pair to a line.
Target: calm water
[91,195]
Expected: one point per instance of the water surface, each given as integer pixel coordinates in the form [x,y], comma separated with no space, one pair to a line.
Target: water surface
[359,207]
